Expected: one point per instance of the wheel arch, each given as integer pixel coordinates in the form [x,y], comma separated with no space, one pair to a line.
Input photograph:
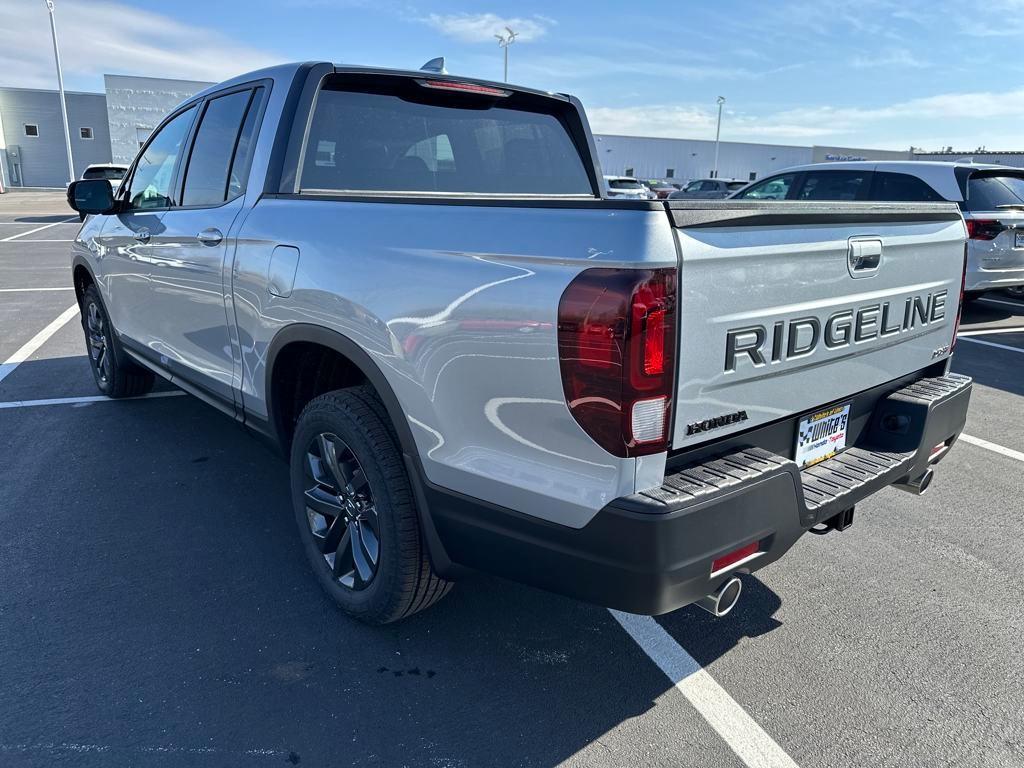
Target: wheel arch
[308,334]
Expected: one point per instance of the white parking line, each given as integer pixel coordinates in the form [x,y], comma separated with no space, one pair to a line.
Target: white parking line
[738,729]
[995,447]
[36,342]
[83,400]
[1013,304]
[25,242]
[37,229]
[993,344]
[30,290]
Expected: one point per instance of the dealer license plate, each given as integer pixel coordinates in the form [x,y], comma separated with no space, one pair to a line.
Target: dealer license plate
[822,435]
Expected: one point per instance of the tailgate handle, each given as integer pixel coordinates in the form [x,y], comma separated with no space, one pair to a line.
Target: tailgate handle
[865,256]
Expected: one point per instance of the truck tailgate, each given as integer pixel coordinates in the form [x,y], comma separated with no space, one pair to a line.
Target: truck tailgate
[788,306]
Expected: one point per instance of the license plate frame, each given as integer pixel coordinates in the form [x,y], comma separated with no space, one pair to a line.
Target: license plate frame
[821,435]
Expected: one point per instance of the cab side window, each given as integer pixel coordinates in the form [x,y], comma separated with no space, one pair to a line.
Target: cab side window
[154,173]
[775,188]
[220,154]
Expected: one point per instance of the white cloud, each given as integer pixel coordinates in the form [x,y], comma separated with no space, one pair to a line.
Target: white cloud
[482,27]
[100,36]
[897,58]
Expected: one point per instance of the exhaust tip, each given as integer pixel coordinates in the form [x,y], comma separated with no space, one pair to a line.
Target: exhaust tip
[723,599]
[918,485]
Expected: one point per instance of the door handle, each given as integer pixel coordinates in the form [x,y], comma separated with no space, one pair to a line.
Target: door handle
[210,236]
[142,235]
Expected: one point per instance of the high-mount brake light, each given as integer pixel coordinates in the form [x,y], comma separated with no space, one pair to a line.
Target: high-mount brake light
[983,229]
[456,85]
[616,348]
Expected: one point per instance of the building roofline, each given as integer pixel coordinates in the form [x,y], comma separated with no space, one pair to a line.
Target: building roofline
[51,90]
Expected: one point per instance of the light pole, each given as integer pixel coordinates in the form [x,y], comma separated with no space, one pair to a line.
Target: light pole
[60,85]
[504,41]
[718,132]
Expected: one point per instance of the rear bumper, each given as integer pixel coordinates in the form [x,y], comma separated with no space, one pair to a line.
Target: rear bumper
[651,552]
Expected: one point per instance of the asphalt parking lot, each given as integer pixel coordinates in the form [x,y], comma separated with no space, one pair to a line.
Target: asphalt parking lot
[156,608]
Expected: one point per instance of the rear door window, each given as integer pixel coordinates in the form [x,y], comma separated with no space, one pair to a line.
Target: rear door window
[208,178]
[902,187]
[993,192]
[834,185]
[395,135]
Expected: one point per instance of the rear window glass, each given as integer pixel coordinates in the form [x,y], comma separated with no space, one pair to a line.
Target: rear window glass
[732,186]
[111,174]
[990,193]
[902,188]
[832,185]
[403,137]
[624,184]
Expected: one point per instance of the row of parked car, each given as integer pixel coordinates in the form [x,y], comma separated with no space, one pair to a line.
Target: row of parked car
[991,198]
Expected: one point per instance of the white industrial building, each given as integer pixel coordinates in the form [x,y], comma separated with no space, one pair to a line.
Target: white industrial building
[111,126]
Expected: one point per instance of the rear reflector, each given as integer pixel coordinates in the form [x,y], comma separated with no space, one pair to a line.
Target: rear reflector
[648,420]
[455,85]
[937,450]
[735,556]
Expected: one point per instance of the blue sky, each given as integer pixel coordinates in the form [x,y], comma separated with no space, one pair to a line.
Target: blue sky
[875,73]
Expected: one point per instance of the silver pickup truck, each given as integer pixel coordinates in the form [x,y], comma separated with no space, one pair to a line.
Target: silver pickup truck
[410,284]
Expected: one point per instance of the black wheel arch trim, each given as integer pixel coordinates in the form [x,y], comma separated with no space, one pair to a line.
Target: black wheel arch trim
[272,427]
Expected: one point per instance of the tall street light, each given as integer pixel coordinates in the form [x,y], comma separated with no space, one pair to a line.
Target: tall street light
[60,85]
[718,132]
[504,41]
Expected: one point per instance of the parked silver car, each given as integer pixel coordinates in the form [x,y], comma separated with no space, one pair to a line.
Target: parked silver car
[707,189]
[991,198]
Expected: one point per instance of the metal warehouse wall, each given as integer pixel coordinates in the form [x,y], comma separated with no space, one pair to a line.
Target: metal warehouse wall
[136,105]
[43,159]
[1011,159]
[693,158]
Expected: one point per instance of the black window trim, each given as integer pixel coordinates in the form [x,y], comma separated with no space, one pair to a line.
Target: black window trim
[294,155]
[182,170]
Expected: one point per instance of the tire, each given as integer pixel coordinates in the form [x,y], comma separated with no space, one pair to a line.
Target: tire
[114,373]
[1016,292]
[355,509]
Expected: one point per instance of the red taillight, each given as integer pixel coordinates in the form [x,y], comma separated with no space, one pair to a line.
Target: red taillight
[735,556]
[616,347]
[983,229]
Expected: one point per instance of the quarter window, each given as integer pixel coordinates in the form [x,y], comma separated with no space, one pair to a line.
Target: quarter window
[154,172]
[209,171]
[902,187]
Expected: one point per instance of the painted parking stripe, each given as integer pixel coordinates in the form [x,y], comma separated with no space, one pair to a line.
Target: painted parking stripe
[994,447]
[993,344]
[36,342]
[37,229]
[31,290]
[83,400]
[986,331]
[25,242]
[738,729]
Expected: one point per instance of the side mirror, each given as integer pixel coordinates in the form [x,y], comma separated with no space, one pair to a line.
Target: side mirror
[93,196]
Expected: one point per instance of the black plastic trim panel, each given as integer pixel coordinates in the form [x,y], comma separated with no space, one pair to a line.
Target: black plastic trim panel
[763,213]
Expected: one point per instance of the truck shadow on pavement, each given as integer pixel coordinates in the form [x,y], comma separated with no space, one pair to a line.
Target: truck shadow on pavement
[152,569]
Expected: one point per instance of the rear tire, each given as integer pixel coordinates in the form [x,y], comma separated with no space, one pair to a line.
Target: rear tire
[355,509]
[1016,292]
[114,373]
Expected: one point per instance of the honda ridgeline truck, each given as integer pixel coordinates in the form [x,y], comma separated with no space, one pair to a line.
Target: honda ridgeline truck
[410,283]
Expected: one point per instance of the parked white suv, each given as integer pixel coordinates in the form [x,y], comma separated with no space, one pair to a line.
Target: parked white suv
[991,198]
[627,187]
